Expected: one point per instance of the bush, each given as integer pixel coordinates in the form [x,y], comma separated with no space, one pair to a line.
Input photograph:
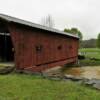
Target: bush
[81,57]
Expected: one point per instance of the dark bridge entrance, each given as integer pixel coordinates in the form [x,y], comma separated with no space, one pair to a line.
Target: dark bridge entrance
[6,48]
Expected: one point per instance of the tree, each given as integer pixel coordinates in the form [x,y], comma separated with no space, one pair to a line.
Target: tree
[91,43]
[74,31]
[48,21]
[98,41]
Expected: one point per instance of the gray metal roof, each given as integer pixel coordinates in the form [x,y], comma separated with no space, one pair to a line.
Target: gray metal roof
[30,24]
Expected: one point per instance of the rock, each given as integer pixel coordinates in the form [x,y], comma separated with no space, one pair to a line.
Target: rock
[52,73]
[97,86]
[6,70]
[77,78]
[92,81]
[68,76]
[96,81]
[73,78]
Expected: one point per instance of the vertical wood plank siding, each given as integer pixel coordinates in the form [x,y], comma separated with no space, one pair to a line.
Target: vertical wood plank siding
[55,50]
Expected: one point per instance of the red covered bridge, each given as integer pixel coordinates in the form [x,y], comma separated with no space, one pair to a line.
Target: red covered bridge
[35,47]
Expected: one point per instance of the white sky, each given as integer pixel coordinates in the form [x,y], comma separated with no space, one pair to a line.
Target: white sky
[83,14]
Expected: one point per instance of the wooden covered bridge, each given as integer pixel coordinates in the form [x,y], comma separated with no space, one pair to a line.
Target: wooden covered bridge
[35,47]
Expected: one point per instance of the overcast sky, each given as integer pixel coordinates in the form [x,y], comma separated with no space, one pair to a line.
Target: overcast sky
[83,14]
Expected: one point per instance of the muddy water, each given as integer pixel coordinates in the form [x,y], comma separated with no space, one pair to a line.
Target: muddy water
[86,72]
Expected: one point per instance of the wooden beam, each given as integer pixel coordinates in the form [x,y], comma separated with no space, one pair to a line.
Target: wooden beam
[7,34]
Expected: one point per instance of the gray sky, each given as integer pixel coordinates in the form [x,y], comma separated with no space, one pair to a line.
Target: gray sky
[83,14]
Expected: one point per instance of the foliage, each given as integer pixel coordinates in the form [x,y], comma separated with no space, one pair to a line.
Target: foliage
[74,31]
[91,43]
[28,87]
[98,41]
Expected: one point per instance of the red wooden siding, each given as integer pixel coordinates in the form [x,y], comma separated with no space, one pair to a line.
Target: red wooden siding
[55,49]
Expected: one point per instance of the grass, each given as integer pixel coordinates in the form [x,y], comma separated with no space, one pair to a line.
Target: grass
[88,62]
[90,53]
[28,87]
[90,50]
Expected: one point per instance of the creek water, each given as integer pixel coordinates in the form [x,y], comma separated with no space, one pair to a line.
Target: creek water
[86,72]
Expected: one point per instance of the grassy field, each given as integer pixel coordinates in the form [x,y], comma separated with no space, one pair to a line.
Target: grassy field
[28,87]
[90,53]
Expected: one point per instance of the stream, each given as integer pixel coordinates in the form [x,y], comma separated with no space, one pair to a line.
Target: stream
[85,72]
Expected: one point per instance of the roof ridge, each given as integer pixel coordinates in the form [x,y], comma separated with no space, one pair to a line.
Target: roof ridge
[31,24]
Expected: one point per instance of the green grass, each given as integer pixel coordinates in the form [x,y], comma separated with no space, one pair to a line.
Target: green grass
[87,62]
[27,87]
[91,52]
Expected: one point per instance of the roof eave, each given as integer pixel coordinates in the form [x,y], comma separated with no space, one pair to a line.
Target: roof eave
[7,18]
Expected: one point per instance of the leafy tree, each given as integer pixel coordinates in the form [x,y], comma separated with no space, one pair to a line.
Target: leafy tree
[74,31]
[98,41]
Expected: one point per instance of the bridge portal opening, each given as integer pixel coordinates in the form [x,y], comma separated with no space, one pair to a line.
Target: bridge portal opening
[6,48]
[6,45]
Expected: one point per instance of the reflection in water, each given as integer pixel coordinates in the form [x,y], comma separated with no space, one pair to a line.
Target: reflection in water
[86,72]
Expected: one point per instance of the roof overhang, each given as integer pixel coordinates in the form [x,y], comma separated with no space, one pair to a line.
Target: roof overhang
[4,19]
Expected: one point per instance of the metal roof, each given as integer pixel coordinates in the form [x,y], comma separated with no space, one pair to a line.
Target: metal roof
[30,24]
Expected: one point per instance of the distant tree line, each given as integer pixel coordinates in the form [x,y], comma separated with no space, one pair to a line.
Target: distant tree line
[91,43]
[98,41]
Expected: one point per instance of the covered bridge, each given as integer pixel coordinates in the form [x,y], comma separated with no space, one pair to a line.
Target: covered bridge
[35,47]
